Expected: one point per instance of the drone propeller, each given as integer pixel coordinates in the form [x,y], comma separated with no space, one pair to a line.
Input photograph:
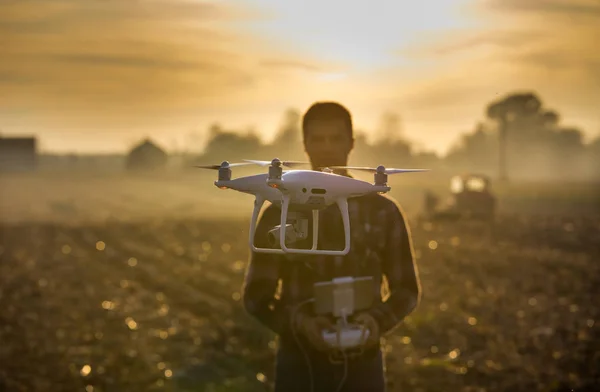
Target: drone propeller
[222,165]
[379,169]
[283,163]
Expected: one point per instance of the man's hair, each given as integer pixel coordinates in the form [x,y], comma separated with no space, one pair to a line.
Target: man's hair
[324,111]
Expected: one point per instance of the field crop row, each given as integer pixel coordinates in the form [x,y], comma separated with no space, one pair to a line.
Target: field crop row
[125,306]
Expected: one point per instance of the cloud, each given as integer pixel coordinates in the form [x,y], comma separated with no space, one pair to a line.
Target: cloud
[144,67]
[87,62]
[548,46]
[462,41]
[444,81]
[564,9]
[275,64]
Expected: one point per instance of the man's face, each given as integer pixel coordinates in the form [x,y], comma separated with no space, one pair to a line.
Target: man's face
[328,143]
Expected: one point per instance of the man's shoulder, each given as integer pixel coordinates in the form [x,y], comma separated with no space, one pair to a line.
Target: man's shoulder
[383,202]
[270,213]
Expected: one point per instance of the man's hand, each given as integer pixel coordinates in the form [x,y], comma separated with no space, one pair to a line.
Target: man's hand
[312,328]
[368,322]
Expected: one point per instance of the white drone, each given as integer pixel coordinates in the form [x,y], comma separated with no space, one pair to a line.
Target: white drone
[298,191]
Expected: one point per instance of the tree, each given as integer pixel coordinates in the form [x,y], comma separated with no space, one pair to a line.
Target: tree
[506,111]
[287,143]
[289,131]
[390,128]
[592,161]
[230,145]
[527,140]
[475,149]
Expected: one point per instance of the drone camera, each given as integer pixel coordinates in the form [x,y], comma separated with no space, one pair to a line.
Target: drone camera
[290,234]
[298,230]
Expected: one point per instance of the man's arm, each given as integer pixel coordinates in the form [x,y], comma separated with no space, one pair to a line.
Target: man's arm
[262,278]
[400,270]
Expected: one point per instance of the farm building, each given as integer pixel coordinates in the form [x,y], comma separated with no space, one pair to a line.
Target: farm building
[146,156]
[18,153]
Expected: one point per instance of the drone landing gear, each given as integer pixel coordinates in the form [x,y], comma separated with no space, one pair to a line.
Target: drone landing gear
[284,227]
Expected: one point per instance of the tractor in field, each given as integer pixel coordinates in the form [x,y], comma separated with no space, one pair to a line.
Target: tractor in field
[471,198]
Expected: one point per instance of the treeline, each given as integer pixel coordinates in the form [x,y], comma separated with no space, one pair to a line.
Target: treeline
[535,143]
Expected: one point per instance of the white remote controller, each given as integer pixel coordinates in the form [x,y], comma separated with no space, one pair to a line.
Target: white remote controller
[349,337]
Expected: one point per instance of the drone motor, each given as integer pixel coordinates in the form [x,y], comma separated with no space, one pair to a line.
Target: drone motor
[380,176]
[224,172]
[275,170]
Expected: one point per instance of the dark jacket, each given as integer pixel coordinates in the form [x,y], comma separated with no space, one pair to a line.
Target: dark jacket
[380,247]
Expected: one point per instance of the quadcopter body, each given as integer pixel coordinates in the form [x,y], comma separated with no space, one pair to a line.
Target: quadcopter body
[298,192]
[309,190]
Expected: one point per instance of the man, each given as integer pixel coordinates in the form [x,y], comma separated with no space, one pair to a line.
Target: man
[381,247]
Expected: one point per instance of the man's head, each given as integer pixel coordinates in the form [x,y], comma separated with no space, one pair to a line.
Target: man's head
[328,134]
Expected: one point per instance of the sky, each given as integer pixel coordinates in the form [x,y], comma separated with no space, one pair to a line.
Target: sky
[96,76]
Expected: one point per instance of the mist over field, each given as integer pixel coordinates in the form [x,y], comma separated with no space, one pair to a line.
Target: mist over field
[535,164]
[132,283]
[115,279]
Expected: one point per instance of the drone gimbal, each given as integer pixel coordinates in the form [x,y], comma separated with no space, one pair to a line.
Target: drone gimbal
[287,233]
